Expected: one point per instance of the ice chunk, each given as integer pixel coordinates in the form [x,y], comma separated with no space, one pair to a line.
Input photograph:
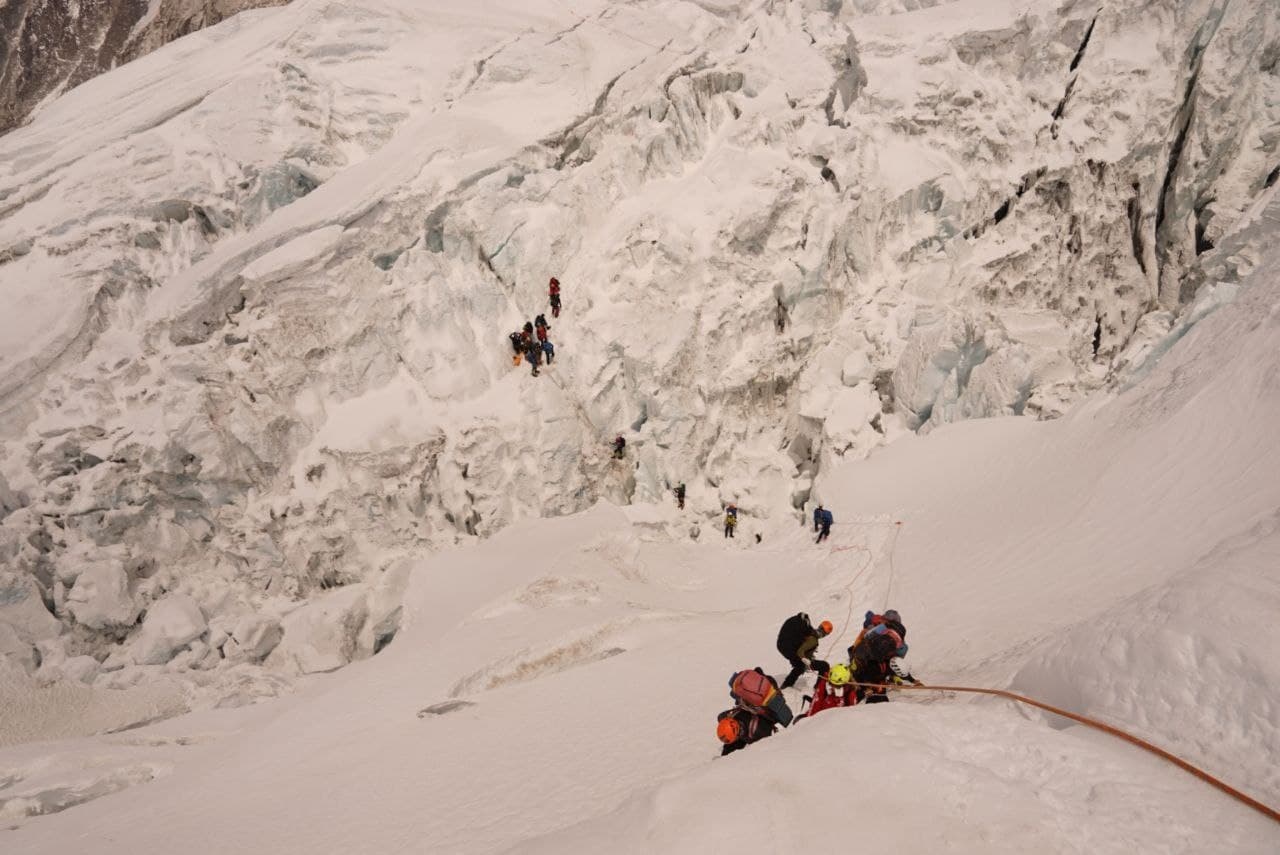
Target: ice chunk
[80,669]
[15,650]
[253,638]
[22,608]
[385,609]
[101,597]
[857,368]
[170,625]
[322,635]
[851,412]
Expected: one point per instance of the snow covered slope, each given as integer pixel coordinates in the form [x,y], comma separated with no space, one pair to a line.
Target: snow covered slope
[554,688]
[256,286]
[50,46]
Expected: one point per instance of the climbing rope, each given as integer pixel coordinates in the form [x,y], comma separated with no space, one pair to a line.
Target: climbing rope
[897,527]
[848,616]
[870,560]
[1269,812]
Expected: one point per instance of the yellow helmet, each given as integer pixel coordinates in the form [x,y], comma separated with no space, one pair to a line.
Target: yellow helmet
[839,675]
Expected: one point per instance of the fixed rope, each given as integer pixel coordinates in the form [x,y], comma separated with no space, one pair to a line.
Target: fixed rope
[870,561]
[897,527]
[1269,812]
[848,615]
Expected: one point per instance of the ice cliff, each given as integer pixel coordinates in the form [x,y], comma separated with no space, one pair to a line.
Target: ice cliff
[257,284]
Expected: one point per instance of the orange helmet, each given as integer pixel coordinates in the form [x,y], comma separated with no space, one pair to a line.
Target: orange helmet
[729,730]
[826,627]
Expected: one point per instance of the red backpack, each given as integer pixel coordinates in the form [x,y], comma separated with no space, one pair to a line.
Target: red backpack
[753,689]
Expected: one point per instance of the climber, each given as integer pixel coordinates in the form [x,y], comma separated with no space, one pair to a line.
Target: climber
[739,727]
[730,521]
[517,345]
[826,521]
[541,331]
[798,642]
[554,292]
[890,617]
[870,655]
[758,708]
[679,491]
[534,353]
[833,689]
[528,328]
[817,518]
[549,351]
[619,447]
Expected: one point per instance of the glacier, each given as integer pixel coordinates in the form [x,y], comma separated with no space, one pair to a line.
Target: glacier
[255,381]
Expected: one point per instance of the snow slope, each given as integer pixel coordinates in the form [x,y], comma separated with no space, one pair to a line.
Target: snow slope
[554,688]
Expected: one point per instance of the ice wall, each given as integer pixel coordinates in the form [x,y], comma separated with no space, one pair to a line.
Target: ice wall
[259,283]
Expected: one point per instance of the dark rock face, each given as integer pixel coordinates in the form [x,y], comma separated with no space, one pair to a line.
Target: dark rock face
[50,46]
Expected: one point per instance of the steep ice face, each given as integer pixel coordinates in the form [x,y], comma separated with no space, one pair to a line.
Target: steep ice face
[47,48]
[269,356]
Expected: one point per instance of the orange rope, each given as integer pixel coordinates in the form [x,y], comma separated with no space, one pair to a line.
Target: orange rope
[1269,812]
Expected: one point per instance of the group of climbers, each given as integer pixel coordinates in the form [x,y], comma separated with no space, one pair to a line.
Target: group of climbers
[875,662]
[532,343]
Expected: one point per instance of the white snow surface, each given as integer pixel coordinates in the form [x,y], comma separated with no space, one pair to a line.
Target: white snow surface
[554,689]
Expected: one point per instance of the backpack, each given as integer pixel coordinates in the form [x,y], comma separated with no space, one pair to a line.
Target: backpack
[752,689]
[878,644]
